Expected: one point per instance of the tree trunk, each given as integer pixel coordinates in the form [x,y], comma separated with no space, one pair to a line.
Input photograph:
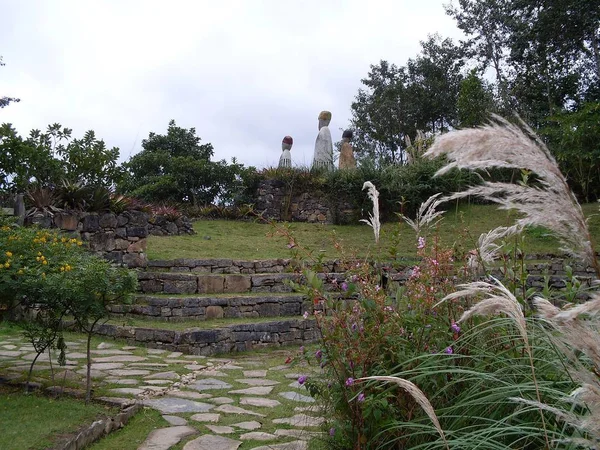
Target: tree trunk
[88,375]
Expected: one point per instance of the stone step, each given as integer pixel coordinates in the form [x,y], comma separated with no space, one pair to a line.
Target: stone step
[246,335]
[206,307]
[151,282]
[234,266]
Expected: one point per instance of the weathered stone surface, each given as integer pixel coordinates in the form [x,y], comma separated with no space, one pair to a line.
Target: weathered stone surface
[175,420]
[220,429]
[213,312]
[294,445]
[259,401]
[127,391]
[180,287]
[237,283]
[211,284]
[257,436]
[206,417]
[122,381]
[301,420]
[221,400]
[210,442]
[189,394]
[300,434]
[118,358]
[209,384]
[165,438]
[195,367]
[128,372]
[257,381]
[259,390]
[108,220]
[255,373]
[90,223]
[249,425]
[170,405]
[230,409]
[297,397]
[163,376]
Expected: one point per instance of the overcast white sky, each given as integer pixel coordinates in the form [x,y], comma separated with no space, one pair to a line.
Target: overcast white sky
[243,73]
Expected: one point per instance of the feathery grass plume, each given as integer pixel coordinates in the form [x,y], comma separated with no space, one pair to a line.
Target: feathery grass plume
[578,328]
[487,248]
[505,145]
[498,299]
[426,215]
[373,220]
[418,395]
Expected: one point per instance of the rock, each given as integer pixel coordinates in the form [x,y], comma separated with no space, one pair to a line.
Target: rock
[255,373]
[297,397]
[107,366]
[213,312]
[220,429]
[249,425]
[294,445]
[123,381]
[301,420]
[189,394]
[163,376]
[258,382]
[206,417]
[170,405]
[211,442]
[128,391]
[261,390]
[118,358]
[165,438]
[194,367]
[258,401]
[221,400]
[209,384]
[175,420]
[128,372]
[299,434]
[229,409]
[104,345]
[258,436]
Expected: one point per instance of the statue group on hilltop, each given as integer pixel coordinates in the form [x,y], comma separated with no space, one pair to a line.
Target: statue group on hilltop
[323,156]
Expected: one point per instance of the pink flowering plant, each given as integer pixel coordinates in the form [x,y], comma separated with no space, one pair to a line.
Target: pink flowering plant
[369,330]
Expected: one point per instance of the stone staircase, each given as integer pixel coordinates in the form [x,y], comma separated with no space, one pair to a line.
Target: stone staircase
[199,295]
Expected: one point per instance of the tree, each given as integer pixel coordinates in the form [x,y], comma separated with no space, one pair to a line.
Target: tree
[379,114]
[484,22]
[475,101]
[398,101]
[434,78]
[46,159]
[5,101]
[176,168]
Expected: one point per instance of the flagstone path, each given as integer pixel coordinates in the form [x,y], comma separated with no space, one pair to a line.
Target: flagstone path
[248,401]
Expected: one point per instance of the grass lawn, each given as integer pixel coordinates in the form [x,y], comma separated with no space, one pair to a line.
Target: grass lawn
[36,422]
[247,240]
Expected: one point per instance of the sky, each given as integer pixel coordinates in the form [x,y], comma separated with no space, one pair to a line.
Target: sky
[244,74]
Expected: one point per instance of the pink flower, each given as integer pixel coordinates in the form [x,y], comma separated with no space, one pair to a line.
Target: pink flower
[305,315]
[331,431]
[421,243]
[302,379]
[350,381]
[361,397]
[344,286]
[449,350]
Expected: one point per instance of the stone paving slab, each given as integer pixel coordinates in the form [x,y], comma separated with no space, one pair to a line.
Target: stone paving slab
[186,394]
[170,405]
[209,442]
[165,438]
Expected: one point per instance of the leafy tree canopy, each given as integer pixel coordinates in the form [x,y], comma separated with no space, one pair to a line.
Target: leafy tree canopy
[176,167]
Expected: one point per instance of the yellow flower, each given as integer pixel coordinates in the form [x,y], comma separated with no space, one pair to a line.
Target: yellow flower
[7,264]
[43,274]
[39,253]
[79,243]
[44,262]
[9,254]
[62,269]
[20,272]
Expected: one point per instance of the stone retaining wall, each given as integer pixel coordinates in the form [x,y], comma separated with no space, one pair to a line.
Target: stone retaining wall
[120,238]
[275,201]
[192,283]
[233,266]
[174,309]
[240,337]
